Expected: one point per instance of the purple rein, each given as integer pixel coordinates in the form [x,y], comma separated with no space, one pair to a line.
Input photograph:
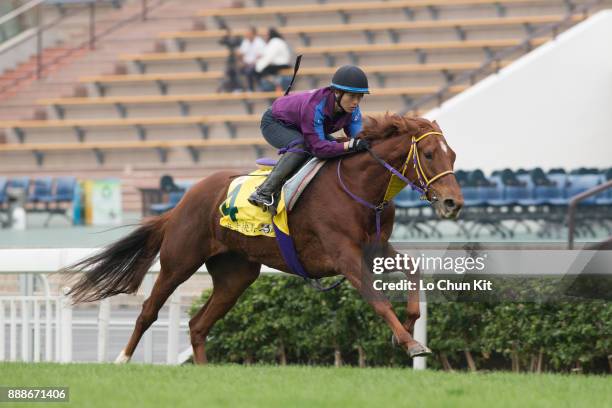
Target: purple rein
[378,209]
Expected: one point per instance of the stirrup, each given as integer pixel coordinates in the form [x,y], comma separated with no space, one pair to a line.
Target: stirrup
[269,207]
[259,200]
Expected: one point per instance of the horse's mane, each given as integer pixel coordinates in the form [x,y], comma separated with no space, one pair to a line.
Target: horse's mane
[390,125]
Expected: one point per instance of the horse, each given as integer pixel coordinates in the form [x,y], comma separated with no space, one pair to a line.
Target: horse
[328,226]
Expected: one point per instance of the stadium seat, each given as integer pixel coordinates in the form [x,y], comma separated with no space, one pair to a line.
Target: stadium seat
[478,189]
[409,198]
[65,193]
[461,176]
[558,195]
[539,188]
[64,189]
[585,170]
[375,26]
[605,198]
[494,194]
[162,146]
[343,49]
[19,182]
[42,192]
[339,7]
[173,199]
[576,184]
[166,77]
[3,197]
[509,189]
[547,194]
[213,98]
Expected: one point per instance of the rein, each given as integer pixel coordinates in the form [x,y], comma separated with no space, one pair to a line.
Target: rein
[424,181]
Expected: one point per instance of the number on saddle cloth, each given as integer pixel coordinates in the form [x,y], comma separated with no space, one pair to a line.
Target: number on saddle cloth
[231,210]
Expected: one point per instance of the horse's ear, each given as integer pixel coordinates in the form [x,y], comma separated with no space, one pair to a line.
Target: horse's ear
[436,126]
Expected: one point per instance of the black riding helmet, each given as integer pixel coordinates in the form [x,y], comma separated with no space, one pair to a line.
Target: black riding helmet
[349,78]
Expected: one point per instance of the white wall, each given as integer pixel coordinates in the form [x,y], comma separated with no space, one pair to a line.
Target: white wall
[550,108]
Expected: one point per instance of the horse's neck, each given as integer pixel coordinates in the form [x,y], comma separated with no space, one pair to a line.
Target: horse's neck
[373,177]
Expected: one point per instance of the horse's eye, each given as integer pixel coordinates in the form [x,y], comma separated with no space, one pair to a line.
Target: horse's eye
[429,155]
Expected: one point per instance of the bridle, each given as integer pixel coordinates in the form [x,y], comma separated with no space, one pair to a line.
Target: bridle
[423,188]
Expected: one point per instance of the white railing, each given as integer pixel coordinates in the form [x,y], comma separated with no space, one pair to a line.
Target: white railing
[44,326]
[21,316]
[31,316]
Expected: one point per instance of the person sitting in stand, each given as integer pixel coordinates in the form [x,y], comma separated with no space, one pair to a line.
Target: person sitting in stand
[275,57]
[251,48]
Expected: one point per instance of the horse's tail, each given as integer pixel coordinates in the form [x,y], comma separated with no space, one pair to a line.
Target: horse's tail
[122,266]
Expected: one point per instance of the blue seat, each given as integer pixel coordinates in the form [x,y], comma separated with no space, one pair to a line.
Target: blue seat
[42,192]
[65,192]
[408,198]
[605,197]
[64,189]
[514,194]
[185,185]
[462,177]
[477,189]
[494,194]
[525,178]
[558,194]
[508,189]
[478,196]
[542,195]
[3,197]
[579,183]
[19,182]
[173,199]
[529,186]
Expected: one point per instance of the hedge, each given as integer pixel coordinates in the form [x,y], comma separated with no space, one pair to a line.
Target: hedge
[282,320]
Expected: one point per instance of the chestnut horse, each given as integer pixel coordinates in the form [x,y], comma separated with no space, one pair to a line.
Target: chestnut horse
[328,226]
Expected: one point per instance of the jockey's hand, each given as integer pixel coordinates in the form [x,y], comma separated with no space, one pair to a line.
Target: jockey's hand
[358,145]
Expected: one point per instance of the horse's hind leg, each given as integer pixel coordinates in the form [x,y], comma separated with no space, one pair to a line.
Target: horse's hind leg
[231,275]
[174,271]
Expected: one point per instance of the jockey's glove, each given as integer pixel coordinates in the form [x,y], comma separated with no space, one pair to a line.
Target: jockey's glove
[358,145]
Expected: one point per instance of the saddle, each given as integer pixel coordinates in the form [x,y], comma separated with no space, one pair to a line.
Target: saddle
[239,215]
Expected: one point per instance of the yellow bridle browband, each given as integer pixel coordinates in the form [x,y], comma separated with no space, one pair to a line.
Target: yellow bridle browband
[396,184]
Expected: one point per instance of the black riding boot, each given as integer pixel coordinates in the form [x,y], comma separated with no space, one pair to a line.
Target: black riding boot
[263,196]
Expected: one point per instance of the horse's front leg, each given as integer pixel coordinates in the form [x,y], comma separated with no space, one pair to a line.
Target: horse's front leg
[412,305]
[362,280]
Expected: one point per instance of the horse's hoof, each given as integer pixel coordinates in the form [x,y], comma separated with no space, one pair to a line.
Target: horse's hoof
[122,358]
[419,350]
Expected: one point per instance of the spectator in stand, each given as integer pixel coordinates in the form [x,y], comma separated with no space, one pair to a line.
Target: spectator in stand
[276,56]
[251,48]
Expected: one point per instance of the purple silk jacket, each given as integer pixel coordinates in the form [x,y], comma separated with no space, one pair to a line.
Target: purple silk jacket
[312,113]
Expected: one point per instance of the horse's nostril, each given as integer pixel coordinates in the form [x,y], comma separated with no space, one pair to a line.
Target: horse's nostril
[449,203]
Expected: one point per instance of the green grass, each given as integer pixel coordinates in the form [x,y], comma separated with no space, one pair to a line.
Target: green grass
[136,385]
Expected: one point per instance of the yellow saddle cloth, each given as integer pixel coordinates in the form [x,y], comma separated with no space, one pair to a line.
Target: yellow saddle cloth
[240,215]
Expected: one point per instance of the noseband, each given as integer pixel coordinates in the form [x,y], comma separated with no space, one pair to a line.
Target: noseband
[423,188]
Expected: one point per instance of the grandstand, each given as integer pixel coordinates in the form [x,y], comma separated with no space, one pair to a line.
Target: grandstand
[142,103]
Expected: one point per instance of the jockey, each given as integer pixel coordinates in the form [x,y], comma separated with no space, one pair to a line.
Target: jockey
[307,119]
